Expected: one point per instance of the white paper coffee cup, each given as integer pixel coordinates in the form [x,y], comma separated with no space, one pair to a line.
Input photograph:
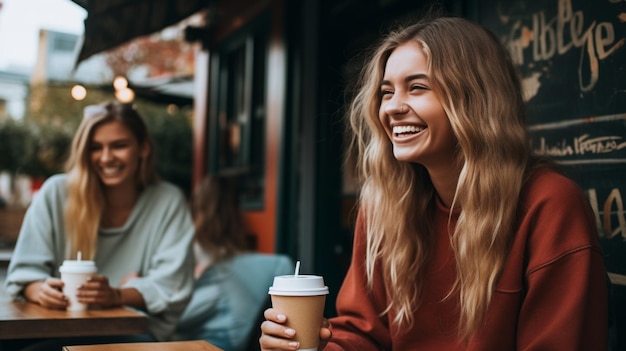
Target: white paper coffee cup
[301,298]
[74,274]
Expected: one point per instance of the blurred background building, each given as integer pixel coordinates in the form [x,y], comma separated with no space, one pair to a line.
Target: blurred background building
[14,89]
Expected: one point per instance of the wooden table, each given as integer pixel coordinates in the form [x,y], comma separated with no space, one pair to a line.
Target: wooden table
[196,345]
[25,320]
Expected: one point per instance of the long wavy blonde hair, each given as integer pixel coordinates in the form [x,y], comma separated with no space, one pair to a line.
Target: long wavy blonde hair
[85,201]
[476,83]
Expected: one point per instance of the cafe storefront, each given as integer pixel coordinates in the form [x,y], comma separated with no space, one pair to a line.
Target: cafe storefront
[270,93]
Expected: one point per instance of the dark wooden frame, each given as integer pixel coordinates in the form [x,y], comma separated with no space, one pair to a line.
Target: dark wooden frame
[237,119]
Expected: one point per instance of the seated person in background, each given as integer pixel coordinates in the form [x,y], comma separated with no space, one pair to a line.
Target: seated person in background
[232,282]
[112,208]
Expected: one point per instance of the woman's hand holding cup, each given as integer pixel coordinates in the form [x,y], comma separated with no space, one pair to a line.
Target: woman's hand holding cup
[48,293]
[276,336]
[97,291]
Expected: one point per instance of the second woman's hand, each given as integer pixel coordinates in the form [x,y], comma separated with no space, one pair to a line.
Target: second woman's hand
[97,291]
[276,336]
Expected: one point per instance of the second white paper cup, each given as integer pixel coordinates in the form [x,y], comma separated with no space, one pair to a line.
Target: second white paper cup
[73,274]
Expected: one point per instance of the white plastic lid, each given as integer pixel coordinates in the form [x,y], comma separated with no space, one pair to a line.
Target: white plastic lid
[74,266]
[301,285]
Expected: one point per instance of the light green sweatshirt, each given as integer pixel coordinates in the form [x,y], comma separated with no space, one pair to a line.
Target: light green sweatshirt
[155,242]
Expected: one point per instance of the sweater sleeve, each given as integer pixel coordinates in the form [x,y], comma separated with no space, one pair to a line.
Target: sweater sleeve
[167,284]
[359,325]
[41,242]
[565,307]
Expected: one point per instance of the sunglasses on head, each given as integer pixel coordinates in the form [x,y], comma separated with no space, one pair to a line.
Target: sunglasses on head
[91,111]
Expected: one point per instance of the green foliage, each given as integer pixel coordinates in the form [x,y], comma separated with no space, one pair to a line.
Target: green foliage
[172,135]
[17,146]
[32,148]
[52,149]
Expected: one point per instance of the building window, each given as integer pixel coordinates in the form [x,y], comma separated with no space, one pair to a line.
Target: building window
[63,44]
[238,113]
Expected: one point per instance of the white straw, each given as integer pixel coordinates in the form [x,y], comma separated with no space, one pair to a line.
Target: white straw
[78,255]
[297,269]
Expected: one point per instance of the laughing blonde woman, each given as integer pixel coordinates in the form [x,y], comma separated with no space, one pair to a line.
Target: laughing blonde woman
[112,208]
[464,240]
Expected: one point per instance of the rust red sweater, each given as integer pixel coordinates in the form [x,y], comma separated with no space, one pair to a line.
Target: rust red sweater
[552,294]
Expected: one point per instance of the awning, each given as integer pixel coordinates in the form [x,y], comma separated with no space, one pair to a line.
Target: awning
[110,23]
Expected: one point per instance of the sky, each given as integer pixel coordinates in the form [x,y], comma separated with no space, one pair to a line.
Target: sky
[20,21]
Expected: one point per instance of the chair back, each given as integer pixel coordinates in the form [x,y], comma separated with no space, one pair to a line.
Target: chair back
[229,299]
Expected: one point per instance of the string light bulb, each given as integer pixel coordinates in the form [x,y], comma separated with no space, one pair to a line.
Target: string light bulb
[78,92]
[125,95]
[120,83]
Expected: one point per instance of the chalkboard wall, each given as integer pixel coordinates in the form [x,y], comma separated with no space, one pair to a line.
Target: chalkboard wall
[572,58]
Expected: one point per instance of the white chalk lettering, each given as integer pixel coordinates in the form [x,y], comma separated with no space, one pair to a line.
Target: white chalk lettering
[581,145]
[549,37]
[614,198]
[613,208]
